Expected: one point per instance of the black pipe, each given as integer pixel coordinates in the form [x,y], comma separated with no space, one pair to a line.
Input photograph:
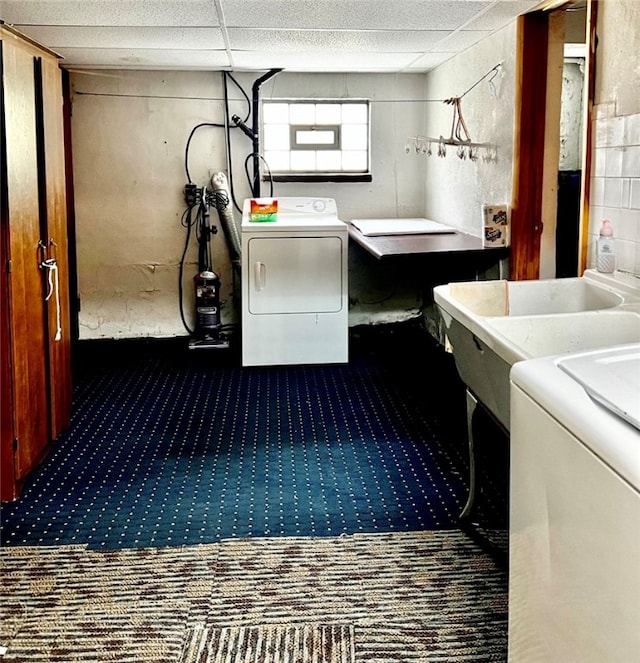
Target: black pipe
[256,128]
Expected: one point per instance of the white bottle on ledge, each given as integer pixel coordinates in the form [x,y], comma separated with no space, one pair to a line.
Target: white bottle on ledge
[605,249]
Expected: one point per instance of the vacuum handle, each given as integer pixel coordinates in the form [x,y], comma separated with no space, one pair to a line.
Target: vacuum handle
[260,275]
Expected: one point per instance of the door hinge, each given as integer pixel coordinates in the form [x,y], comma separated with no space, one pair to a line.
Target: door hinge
[15,445]
[8,266]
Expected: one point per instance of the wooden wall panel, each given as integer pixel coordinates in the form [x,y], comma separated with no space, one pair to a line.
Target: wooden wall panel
[526,212]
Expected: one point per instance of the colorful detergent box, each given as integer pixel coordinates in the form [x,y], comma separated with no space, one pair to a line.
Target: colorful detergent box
[495,219]
[263,209]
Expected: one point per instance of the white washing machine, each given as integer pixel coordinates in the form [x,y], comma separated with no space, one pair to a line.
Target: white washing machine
[294,284]
[574,543]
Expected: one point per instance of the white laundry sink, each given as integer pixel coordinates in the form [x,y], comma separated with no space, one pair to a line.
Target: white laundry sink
[493,324]
[516,298]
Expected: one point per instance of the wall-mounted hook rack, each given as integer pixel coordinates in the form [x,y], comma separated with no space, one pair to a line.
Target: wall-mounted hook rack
[460,137]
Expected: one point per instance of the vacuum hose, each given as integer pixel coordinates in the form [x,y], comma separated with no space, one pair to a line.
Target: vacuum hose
[225,212]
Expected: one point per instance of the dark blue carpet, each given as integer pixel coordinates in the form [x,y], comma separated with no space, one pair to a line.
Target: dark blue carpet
[172,448]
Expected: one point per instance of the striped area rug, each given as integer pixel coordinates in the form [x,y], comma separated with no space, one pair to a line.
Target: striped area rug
[374,598]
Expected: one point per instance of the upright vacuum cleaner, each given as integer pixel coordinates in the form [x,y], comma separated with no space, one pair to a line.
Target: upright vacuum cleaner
[207,334]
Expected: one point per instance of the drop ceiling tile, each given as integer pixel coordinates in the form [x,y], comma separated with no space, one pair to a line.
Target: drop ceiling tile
[501,13]
[334,41]
[122,37]
[109,13]
[428,61]
[460,41]
[330,62]
[142,58]
[352,15]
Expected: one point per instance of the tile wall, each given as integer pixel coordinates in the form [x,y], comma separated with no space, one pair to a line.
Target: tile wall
[615,187]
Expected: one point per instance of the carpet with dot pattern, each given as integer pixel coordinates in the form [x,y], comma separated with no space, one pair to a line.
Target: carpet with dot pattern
[166,448]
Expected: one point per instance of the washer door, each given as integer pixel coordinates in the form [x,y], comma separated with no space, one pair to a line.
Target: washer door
[295,275]
[611,377]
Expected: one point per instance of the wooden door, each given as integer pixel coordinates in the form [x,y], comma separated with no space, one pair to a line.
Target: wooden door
[55,239]
[27,320]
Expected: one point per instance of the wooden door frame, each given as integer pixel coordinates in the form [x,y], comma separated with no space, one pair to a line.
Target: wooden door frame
[529,139]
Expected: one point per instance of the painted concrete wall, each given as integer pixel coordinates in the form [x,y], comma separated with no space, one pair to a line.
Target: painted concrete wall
[456,189]
[615,186]
[571,115]
[129,135]
[130,130]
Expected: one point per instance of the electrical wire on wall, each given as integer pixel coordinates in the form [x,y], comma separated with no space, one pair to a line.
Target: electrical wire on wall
[187,221]
[227,115]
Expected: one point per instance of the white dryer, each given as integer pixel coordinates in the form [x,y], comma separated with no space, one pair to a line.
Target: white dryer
[574,540]
[294,284]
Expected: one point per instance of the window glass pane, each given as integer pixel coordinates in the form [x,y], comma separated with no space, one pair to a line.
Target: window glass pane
[275,112]
[355,113]
[276,137]
[302,113]
[316,137]
[328,113]
[354,137]
[354,160]
[330,160]
[303,160]
[277,159]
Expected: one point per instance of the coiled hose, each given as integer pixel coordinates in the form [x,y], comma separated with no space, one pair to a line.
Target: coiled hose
[222,202]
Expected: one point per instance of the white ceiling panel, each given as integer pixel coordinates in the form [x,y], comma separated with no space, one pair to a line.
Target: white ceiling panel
[333,40]
[131,38]
[331,62]
[253,35]
[500,14]
[122,58]
[352,14]
[460,41]
[110,12]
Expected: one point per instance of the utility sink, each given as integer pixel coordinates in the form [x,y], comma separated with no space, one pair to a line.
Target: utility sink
[493,324]
[516,298]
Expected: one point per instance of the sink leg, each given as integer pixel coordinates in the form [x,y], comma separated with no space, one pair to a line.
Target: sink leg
[472,403]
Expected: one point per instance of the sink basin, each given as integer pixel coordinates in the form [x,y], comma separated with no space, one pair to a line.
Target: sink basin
[493,324]
[515,298]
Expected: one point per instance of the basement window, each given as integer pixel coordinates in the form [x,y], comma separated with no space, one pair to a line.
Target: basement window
[316,140]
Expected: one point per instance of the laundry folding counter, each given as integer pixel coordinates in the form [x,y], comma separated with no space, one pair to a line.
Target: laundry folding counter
[387,239]
[425,252]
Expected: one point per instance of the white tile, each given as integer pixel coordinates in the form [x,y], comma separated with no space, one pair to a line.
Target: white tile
[634,196]
[613,165]
[626,192]
[625,255]
[597,191]
[629,225]
[596,214]
[610,132]
[600,162]
[631,162]
[600,132]
[633,129]
[613,192]
[616,131]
